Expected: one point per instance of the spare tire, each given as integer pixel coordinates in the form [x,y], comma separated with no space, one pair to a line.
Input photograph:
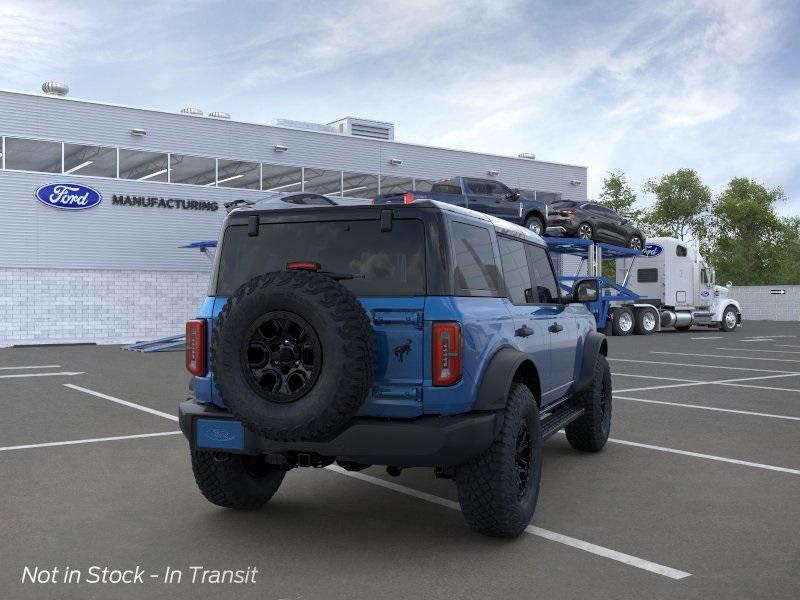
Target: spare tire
[293,355]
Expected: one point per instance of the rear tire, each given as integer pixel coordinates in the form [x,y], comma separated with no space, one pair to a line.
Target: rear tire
[535,224]
[235,480]
[584,232]
[622,322]
[498,489]
[590,432]
[645,323]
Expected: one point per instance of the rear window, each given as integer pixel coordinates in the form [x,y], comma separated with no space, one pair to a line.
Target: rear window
[446,187]
[392,262]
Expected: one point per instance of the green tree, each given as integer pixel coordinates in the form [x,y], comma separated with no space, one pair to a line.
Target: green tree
[681,206]
[618,195]
[751,244]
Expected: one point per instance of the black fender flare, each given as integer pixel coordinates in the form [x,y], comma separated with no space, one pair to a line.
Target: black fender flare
[594,344]
[497,379]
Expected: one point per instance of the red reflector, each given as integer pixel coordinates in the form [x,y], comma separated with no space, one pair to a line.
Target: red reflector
[302,266]
[408,198]
[447,363]
[196,347]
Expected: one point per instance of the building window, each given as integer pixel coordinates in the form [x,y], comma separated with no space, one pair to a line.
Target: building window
[325,182]
[280,178]
[195,170]
[90,160]
[33,155]
[238,174]
[359,185]
[396,185]
[143,166]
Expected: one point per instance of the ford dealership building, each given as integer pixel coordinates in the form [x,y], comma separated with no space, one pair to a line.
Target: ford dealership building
[97,200]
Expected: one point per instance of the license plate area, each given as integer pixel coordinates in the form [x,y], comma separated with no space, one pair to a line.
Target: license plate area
[219,434]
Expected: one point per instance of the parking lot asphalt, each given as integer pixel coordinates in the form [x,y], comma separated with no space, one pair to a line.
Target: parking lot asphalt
[695,496]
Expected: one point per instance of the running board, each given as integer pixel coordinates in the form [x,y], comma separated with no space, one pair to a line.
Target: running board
[557,420]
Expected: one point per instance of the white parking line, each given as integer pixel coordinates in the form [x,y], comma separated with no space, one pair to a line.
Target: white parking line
[714,408]
[674,364]
[708,337]
[707,456]
[664,378]
[692,382]
[20,375]
[727,356]
[633,561]
[757,340]
[31,367]
[146,409]
[787,346]
[765,337]
[89,440]
[759,350]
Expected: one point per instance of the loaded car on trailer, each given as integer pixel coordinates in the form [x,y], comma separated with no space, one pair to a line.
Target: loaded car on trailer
[483,195]
[409,335]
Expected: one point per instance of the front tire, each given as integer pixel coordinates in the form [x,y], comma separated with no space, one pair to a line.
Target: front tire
[729,320]
[235,480]
[590,432]
[498,489]
[535,224]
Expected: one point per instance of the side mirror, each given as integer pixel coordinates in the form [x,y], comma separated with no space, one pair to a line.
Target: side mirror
[586,290]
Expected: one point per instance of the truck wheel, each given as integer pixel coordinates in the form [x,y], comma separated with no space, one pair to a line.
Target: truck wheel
[622,322]
[235,480]
[645,321]
[635,242]
[589,433]
[534,223]
[729,319]
[293,355]
[498,489]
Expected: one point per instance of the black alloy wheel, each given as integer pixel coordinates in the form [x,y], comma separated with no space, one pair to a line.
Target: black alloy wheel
[523,457]
[281,356]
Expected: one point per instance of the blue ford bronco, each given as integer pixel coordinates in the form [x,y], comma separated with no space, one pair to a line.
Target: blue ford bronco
[418,335]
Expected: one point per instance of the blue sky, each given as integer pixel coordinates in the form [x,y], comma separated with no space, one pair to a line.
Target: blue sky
[641,87]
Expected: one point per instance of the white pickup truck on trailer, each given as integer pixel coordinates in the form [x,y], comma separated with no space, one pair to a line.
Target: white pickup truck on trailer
[672,277]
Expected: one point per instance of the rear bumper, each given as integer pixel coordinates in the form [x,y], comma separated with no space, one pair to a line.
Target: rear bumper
[432,441]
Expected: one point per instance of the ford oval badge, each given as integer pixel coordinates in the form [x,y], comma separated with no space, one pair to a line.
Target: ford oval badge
[652,250]
[68,196]
[220,435]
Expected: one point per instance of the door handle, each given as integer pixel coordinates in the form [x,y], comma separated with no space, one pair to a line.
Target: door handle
[555,328]
[523,331]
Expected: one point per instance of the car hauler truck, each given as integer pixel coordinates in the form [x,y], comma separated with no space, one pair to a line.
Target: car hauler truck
[666,285]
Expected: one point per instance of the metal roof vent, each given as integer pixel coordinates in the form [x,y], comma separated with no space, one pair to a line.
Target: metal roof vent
[53,88]
[219,115]
[375,130]
[527,155]
[192,110]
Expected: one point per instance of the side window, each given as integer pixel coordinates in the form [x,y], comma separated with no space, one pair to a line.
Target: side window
[647,275]
[475,186]
[497,189]
[703,276]
[515,270]
[680,251]
[545,287]
[475,265]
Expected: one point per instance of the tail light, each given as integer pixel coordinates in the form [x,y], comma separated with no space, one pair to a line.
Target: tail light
[196,347]
[570,211]
[447,355]
[303,265]
[408,198]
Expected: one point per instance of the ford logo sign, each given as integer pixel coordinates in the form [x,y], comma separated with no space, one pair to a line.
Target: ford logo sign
[220,435]
[652,250]
[68,196]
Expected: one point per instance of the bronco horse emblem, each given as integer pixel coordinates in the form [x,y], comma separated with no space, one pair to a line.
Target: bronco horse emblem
[401,351]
